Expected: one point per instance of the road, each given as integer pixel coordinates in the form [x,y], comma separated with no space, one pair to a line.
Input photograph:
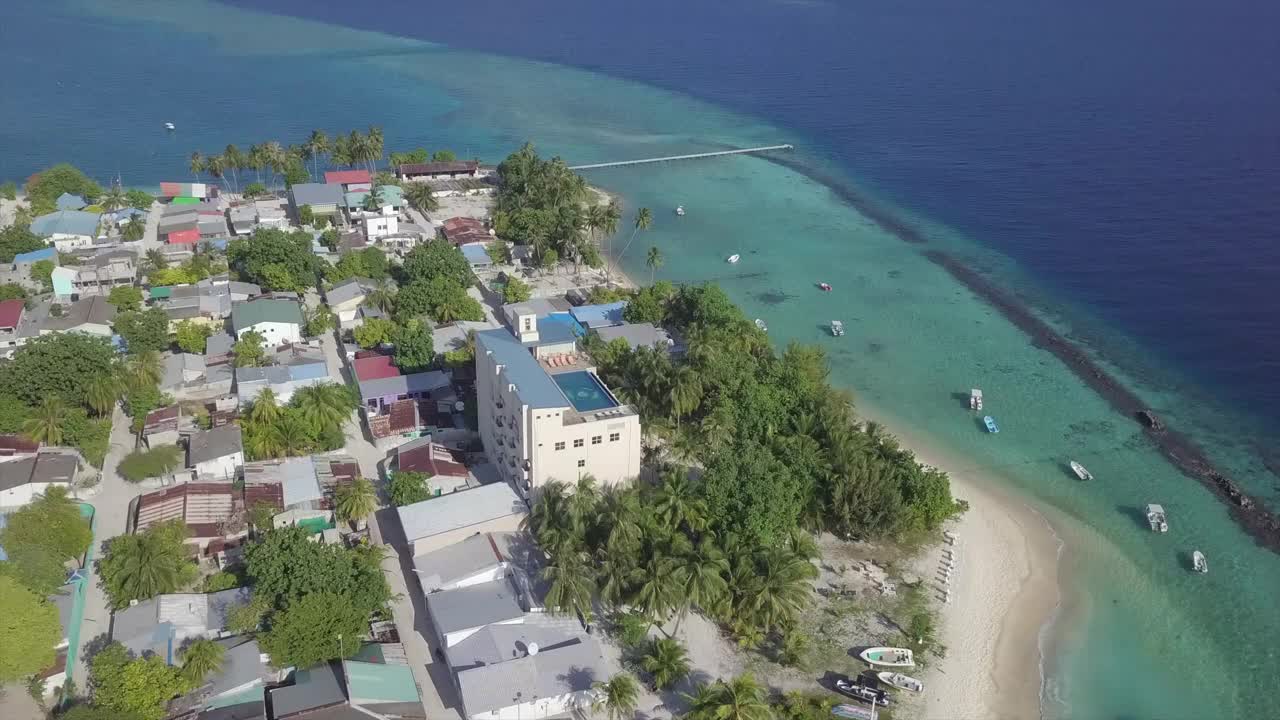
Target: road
[408,608]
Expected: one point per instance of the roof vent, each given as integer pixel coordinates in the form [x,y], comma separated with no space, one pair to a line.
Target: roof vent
[533,648]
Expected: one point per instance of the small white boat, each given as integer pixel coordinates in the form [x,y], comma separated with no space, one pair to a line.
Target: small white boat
[1198,562]
[990,422]
[899,680]
[888,657]
[1080,471]
[975,399]
[680,210]
[837,328]
[733,258]
[170,126]
[1156,518]
[760,324]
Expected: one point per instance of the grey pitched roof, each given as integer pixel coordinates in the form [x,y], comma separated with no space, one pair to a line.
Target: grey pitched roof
[500,643]
[474,606]
[636,335]
[548,674]
[215,443]
[459,510]
[347,290]
[315,687]
[402,384]
[242,664]
[534,386]
[91,310]
[219,344]
[453,337]
[256,710]
[269,375]
[316,194]
[158,624]
[457,561]
[45,467]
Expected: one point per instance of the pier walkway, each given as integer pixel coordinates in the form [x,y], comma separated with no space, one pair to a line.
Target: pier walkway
[691,156]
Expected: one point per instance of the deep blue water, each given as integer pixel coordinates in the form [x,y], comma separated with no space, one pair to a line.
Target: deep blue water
[1126,154]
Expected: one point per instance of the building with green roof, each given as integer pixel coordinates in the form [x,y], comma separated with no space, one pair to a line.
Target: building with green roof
[277,320]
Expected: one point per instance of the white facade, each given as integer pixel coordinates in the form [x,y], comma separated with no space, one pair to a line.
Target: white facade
[275,333]
[376,226]
[220,468]
[66,242]
[23,494]
[557,706]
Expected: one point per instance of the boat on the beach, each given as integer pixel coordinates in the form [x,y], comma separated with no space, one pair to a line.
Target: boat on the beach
[169,126]
[1198,562]
[990,422]
[733,258]
[975,399]
[824,287]
[854,712]
[760,324]
[680,210]
[888,657]
[899,680]
[1156,518]
[837,328]
[1080,471]
[858,691]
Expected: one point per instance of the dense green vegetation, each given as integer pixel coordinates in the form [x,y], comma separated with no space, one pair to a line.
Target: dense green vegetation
[192,336]
[407,487]
[544,204]
[143,330]
[370,263]
[137,687]
[275,259]
[29,624]
[311,422]
[43,188]
[126,298]
[144,565]
[142,464]
[16,239]
[292,163]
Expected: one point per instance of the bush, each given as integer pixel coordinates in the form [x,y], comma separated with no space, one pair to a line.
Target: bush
[9,190]
[407,487]
[142,464]
[515,290]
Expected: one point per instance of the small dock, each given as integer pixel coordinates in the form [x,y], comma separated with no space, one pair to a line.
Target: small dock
[691,156]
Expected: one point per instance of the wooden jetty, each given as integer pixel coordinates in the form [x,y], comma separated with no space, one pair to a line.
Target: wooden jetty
[691,156]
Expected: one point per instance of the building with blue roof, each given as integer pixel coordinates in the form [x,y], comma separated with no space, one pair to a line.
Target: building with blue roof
[477,254]
[543,412]
[595,316]
[67,201]
[34,256]
[68,229]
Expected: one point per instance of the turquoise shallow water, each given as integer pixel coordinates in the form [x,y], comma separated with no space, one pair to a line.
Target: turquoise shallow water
[1140,636]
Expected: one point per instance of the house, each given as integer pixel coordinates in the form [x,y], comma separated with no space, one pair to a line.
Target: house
[216,454]
[465,230]
[24,478]
[160,427]
[459,613]
[173,190]
[390,200]
[217,349]
[314,690]
[377,394]
[526,673]
[92,315]
[19,272]
[211,226]
[438,170]
[444,471]
[477,254]
[447,338]
[374,367]
[240,684]
[278,321]
[384,689]
[380,226]
[345,298]
[271,214]
[180,369]
[67,229]
[324,200]
[438,522]
[597,316]
[349,179]
[637,335]
[545,414]
[469,562]
[207,301]
[99,274]
[298,480]
[283,380]
[11,312]
[67,201]
[406,418]
[159,626]
[212,511]
[243,218]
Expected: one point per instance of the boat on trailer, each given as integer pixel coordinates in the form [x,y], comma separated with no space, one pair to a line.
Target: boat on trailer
[1157,519]
[837,328]
[899,680]
[888,657]
[1080,471]
[990,422]
[1199,563]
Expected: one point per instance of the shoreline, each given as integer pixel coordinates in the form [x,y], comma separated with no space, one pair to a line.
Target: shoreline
[1006,597]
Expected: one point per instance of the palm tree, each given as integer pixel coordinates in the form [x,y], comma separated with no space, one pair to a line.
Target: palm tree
[317,144]
[144,370]
[103,392]
[549,520]
[216,165]
[659,592]
[667,661]
[617,697]
[266,409]
[778,590]
[355,501]
[382,296]
[236,161]
[654,260]
[197,164]
[143,566]
[618,575]
[373,201]
[644,219]
[421,198]
[156,259]
[45,425]
[200,659]
[294,436]
[262,441]
[676,502]
[705,573]
[685,392]
[374,147]
[324,406]
[114,198]
[569,586]
[621,512]
[582,504]
[739,699]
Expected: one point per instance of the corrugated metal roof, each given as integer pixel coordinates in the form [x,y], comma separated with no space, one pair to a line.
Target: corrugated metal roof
[347,177]
[379,683]
[534,386]
[459,510]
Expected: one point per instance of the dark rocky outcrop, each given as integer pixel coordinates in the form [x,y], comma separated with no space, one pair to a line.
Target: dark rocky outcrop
[1151,420]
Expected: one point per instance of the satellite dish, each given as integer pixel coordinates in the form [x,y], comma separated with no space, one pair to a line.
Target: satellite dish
[459,406]
[533,648]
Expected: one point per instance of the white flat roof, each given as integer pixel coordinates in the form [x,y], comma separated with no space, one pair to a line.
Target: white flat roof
[459,510]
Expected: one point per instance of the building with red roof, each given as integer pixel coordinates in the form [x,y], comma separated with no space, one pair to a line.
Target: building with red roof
[350,180]
[375,368]
[184,237]
[445,472]
[463,230]
[10,316]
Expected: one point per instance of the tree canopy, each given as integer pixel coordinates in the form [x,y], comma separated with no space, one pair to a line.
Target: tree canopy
[15,239]
[415,349]
[125,297]
[44,188]
[286,566]
[192,336]
[143,330]
[51,521]
[57,365]
[320,626]
[30,628]
[275,259]
[154,562]
[437,258]
[142,686]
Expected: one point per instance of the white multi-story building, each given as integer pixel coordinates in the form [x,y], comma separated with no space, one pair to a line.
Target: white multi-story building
[544,413]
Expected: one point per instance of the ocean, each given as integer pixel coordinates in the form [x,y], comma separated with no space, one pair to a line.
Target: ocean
[1114,167]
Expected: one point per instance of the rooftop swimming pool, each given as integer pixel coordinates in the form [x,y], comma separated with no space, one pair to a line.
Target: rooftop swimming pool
[584,391]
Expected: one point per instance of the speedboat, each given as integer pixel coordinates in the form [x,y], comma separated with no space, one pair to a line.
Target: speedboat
[824,287]
[888,657]
[1080,472]
[899,680]
[861,692]
[733,258]
[990,422]
[837,328]
[680,210]
[1198,562]
[169,126]
[760,324]
[1156,519]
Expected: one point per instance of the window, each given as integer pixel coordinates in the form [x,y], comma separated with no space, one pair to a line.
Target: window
[559,446]
[577,443]
[582,463]
[595,439]
[615,437]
